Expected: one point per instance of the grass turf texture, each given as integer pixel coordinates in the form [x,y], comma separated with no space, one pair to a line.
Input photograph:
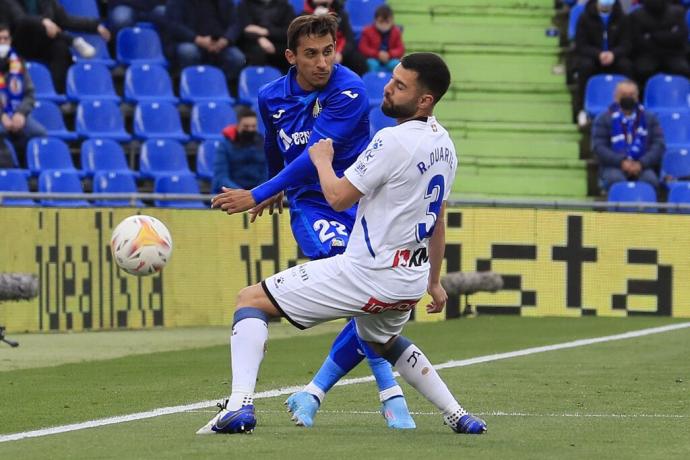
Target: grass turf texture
[618,384]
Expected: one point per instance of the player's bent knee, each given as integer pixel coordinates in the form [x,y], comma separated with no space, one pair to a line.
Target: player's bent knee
[255,297]
[395,348]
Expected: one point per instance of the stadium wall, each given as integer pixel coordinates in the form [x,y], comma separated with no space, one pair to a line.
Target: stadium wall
[553,262]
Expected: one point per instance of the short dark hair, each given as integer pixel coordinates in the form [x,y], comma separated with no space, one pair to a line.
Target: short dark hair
[310,25]
[432,72]
[384,12]
[5,26]
[245,112]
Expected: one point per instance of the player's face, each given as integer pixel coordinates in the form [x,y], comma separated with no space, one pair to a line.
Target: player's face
[401,94]
[314,60]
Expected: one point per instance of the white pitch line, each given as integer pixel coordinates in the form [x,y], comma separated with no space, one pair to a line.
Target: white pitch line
[288,390]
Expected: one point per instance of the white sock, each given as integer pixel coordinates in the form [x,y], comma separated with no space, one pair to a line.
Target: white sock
[389,393]
[247,350]
[415,368]
[312,389]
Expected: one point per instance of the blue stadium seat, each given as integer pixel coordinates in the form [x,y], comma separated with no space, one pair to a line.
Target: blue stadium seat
[599,92]
[43,83]
[103,154]
[298,6]
[675,167]
[665,92]
[43,153]
[210,118]
[61,181]
[14,180]
[204,83]
[102,55]
[680,194]
[676,126]
[632,192]
[158,120]
[178,183]
[87,8]
[148,83]
[378,121]
[101,120]
[574,16]
[204,158]
[115,182]
[252,78]
[361,13]
[86,80]
[374,83]
[49,115]
[136,45]
[162,157]
[13,152]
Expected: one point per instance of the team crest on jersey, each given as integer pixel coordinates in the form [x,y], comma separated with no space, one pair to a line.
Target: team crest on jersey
[15,86]
[316,111]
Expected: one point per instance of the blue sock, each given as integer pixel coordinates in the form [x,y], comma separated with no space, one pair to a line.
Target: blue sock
[382,369]
[342,358]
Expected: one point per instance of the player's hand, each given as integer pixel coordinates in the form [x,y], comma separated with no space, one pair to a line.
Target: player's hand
[322,151]
[275,202]
[233,200]
[439,297]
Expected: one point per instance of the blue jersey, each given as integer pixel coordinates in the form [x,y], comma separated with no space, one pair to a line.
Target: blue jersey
[295,119]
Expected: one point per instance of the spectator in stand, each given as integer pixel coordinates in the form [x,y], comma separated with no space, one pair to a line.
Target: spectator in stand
[381,43]
[627,140]
[39,34]
[346,52]
[125,13]
[660,37]
[602,45]
[16,96]
[205,32]
[264,38]
[240,161]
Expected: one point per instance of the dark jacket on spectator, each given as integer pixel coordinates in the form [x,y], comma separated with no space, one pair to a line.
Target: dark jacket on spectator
[239,165]
[666,34]
[187,19]
[15,10]
[589,37]
[370,43]
[274,16]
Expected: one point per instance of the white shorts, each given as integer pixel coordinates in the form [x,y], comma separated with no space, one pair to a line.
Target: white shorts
[324,290]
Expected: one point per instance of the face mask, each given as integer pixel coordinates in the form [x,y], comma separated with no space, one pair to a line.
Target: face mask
[606,3]
[628,103]
[4,50]
[245,137]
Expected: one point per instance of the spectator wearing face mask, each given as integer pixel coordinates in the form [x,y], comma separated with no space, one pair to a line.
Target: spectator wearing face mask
[660,36]
[381,43]
[16,95]
[602,45]
[240,161]
[627,140]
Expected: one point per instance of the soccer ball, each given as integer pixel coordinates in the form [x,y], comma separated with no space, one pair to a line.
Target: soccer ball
[141,245]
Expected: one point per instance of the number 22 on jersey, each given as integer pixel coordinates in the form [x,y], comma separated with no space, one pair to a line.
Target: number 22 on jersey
[328,230]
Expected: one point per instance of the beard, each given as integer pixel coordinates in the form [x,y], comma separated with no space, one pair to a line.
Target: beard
[398,111]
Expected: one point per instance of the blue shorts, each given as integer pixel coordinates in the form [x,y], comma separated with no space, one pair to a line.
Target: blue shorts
[319,230]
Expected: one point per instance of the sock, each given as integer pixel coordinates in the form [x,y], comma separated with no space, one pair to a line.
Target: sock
[342,358]
[416,369]
[383,373]
[249,335]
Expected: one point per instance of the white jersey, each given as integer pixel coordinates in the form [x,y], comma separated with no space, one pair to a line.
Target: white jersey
[405,175]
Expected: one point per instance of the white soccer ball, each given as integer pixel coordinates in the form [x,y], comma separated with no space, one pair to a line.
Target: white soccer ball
[141,245]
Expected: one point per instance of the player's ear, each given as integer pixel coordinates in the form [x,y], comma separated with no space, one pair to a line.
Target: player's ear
[290,56]
[426,101]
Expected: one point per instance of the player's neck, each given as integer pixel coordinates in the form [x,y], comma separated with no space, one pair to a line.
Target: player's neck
[420,115]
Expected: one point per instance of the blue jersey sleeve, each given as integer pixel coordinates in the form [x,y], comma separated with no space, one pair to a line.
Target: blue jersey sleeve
[274,157]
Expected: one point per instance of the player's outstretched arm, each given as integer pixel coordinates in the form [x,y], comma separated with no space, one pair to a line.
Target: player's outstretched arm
[437,248]
[339,191]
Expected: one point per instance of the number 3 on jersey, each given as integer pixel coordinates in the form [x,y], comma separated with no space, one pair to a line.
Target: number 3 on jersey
[434,192]
[328,230]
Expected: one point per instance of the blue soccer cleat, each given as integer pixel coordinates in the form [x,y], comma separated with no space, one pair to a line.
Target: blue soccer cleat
[303,407]
[397,416]
[226,421]
[467,424]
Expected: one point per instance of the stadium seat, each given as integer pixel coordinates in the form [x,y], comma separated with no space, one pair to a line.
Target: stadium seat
[575,13]
[632,192]
[162,157]
[378,121]
[87,8]
[680,194]
[204,83]
[204,159]
[136,45]
[43,83]
[374,83]
[361,14]
[86,80]
[298,6]
[43,153]
[177,183]
[676,126]
[148,83]
[115,182]
[599,92]
[210,118]
[158,120]
[103,154]
[101,120]
[61,181]
[13,153]
[252,78]
[14,180]
[102,55]
[675,167]
[49,115]
[665,92]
